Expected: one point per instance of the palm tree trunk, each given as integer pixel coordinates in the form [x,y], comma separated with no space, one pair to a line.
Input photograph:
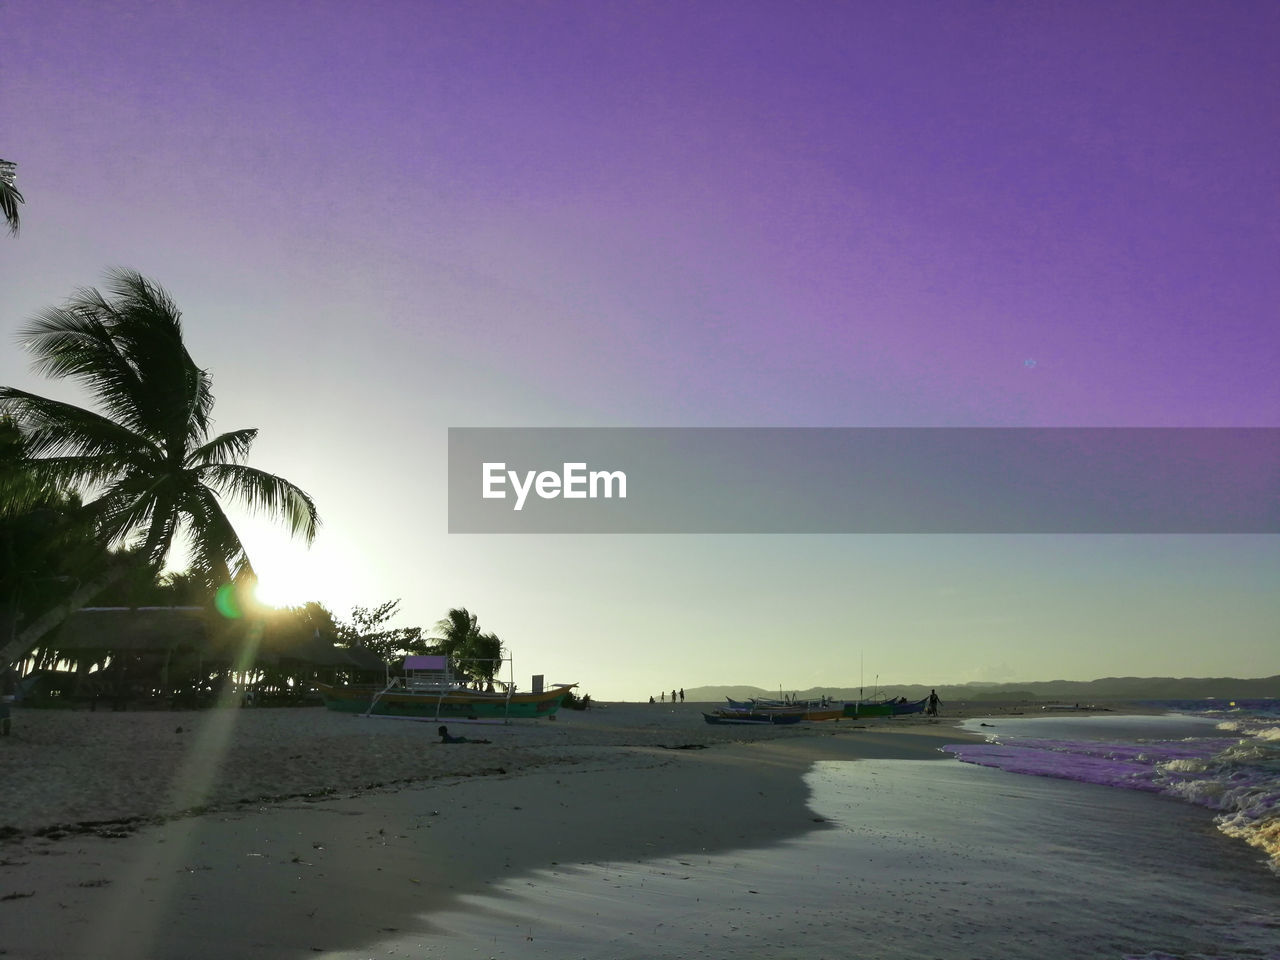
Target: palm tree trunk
[19,646]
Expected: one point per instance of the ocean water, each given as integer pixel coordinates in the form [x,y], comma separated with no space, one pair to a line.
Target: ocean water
[906,860]
[1220,755]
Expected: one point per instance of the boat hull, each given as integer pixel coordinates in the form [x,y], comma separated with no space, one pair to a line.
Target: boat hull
[460,705]
[886,709]
[807,710]
[757,719]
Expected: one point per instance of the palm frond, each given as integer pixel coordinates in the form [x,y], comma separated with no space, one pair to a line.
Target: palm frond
[74,341]
[52,427]
[149,329]
[216,549]
[10,196]
[226,448]
[121,514]
[75,473]
[485,652]
[22,485]
[265,492]
[456,631]
[127,350]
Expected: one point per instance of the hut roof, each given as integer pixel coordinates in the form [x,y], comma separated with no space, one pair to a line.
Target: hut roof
[155,629]
[322,652]
[133,629]
[362,658]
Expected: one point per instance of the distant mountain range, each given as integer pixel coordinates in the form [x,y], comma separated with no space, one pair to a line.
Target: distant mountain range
[1074,691]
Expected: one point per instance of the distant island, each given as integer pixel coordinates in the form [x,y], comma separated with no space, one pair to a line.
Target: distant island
[1106,688]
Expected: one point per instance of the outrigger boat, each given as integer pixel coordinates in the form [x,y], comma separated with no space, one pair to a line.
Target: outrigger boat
[746,716]
[808,710]
[428,690]
[884,708]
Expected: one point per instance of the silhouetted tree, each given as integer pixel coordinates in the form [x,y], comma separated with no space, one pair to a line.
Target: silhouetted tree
[367,628]
[475,655]
[148,457]
[484,657]
[46,544]
[454,632]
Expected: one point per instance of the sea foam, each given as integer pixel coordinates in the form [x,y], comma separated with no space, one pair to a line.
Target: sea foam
[1236,776]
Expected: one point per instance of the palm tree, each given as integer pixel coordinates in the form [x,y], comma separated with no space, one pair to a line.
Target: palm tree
[485,653]
[9,195]
[148,459]
[462,642]
[456,631]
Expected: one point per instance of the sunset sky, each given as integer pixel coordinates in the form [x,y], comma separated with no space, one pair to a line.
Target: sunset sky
[385,219]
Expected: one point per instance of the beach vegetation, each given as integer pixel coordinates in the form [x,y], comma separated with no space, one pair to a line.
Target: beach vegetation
[472,653]
[146,462]
[191,655]
[45,543]
[21,486]
[572,701]
[484,658]
[368,628]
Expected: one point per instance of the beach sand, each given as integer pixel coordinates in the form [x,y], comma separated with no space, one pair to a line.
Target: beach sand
[63,768]
[321,834]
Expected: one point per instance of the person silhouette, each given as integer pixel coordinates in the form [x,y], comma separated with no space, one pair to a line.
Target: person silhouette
[447,737]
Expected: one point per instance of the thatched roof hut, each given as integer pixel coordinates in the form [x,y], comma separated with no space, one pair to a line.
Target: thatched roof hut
[318,651]
[95,632]
[160,643]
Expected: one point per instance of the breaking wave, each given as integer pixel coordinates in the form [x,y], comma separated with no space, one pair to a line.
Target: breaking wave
[1235,773]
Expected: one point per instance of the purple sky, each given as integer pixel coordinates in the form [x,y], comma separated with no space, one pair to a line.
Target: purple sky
[383,219]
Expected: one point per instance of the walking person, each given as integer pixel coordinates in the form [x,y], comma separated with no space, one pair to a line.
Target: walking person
[932,707]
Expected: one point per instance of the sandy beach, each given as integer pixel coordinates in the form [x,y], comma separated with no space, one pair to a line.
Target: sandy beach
[322,834]
[65,769]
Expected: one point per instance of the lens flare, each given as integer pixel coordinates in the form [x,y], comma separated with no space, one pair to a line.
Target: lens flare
[227,602]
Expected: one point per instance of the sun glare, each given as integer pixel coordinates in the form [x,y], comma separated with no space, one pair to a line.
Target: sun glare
[290,575]
[280,593]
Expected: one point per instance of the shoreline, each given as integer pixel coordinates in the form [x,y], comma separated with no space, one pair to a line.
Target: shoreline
[366,867]
[341,869]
